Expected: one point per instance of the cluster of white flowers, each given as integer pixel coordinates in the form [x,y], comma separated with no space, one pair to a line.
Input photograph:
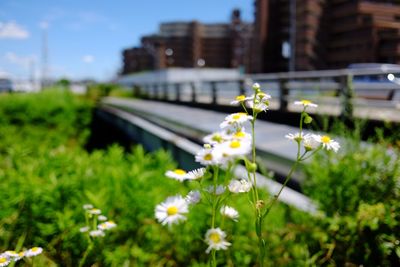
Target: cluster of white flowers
[93,216]
[259,101]
[221,149]
[314,141]
[10,256]
[224,149]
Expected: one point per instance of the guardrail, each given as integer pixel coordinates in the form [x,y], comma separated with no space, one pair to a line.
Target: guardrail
[338,87]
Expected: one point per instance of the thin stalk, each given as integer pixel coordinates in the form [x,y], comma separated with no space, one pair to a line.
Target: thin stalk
[268,209]
[86,254]
[214,207]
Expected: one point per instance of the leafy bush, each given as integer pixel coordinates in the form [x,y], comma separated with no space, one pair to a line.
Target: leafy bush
[359,190]
[46,176]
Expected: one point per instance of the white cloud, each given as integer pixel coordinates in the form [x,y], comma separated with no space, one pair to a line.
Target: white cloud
[11,30]
[88,59]
[22,61]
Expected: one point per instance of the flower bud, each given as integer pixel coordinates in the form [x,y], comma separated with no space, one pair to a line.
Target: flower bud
[308,119]
[256,86]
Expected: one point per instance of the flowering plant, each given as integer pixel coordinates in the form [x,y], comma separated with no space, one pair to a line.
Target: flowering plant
[222,152]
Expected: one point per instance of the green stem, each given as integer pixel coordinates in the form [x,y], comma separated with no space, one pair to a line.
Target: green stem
[214,208]
[86,254]
[268,209]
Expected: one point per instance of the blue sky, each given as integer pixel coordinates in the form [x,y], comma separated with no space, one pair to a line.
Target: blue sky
[85,37]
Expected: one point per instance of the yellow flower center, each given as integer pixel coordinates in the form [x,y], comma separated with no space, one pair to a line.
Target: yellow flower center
[21,254]
[239,134]
[305,102]
[215,237]
[234,144]
[35,249]
[179,172]
[172,210]
[3,259]
[240,98]
[325,139]
[237,116]
[208,157]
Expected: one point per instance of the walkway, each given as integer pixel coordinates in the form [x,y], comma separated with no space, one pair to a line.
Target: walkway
[278,152]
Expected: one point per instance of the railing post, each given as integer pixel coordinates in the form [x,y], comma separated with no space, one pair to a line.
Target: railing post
[147,88]
[347,94]
[155,91]
[213,93]
[136,90]
[242,90]
[165,91]
[178,92]
[193,89]
[283,96]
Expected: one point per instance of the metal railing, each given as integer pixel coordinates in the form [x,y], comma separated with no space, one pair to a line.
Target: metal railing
[341,89]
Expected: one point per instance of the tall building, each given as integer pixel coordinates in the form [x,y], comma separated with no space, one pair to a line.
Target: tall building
[326,34]
[193,44]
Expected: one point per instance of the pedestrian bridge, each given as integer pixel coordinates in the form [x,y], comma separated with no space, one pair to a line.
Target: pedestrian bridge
[180,129]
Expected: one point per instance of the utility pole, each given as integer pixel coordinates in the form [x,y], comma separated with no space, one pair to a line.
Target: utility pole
[44,78]
[292,36]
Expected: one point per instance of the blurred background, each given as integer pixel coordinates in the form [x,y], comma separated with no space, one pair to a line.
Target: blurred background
[98,99]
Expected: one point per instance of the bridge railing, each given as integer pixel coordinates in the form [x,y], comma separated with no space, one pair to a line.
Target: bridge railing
[340,89]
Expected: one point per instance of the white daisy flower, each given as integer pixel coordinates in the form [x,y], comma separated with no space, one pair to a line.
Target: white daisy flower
[193,197]
[4,260]
[196,174]
[239,99]
[215,239]
[102,218]
[238,134]
[259,97]
[84,229]
[107,225]
[209,156]
[234,147]
[177,174]
[305,103]
[10,253]
[97,233]
[328,143]
[219,190]
[235,119]
[33,252]
[257,106]
[230,212]
[295,137]
[13,255]
[88,206]
[239,186]
[311,142]
[172,210]
[214,138]
[94,211]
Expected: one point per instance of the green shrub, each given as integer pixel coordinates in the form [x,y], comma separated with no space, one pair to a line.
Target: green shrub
[46,176]
[359,190]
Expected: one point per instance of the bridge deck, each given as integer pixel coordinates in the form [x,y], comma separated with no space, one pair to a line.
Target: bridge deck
[195,123]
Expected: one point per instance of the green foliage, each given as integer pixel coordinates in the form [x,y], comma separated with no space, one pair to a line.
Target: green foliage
[96,91]
[64,83]
[359,191]
[46,176]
